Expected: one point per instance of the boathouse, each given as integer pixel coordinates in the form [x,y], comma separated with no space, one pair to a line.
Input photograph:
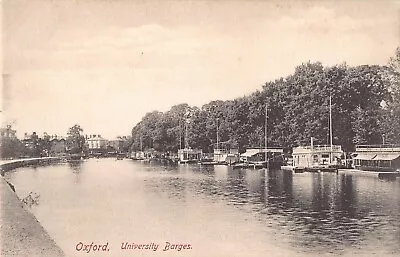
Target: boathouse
[319,155]
[377,158]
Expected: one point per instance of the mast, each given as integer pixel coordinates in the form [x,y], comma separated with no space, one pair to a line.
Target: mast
[186,133]
[265,136]
[180,136]
[141,143]
[217,134]
[330,126]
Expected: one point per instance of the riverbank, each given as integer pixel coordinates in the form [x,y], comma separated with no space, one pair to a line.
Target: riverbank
[6,165]
[21,232]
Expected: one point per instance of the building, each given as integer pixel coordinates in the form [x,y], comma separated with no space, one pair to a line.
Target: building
[189,155]
[377,158]
[7,132]
[320,155]
[118,143]
[96,144]
[57,146]
[226,156]
[30,141]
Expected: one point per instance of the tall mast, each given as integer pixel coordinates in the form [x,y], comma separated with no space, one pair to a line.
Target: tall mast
[141,143]
[180,136]
[217,134]
[186,135]
[330,125]
[266,130]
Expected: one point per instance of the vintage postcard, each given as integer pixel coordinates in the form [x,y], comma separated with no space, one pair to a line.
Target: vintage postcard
[200,128]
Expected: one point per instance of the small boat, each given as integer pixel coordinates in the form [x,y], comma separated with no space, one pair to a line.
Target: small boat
[241,165]
[381,175]
[321,169]
[187,161]
[120,156]
[299,170]
[208,163]
[258,165]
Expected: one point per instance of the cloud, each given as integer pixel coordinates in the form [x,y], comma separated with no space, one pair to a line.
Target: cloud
[110,67]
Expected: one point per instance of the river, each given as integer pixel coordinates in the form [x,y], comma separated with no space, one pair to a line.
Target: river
[216,210]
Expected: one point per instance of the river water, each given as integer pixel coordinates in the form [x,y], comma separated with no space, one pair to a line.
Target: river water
[217,210]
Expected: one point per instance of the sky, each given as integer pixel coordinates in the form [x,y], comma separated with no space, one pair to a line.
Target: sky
[105,64]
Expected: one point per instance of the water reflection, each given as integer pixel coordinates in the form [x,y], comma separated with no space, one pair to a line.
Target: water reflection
[76,166]
[319,212]
[310,213]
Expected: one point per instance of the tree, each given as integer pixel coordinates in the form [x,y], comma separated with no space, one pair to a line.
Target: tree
[75,140]
[365,127]
[10,145]
[390,115]
[298,109]
[394,62]
[44,144]
[34,145]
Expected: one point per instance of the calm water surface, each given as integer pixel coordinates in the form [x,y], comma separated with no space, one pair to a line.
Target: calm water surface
[219,211]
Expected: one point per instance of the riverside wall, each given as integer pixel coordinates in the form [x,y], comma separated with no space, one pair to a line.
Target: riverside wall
[21,233]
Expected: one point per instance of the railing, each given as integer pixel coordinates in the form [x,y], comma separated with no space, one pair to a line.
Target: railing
[378,148]
[321,148]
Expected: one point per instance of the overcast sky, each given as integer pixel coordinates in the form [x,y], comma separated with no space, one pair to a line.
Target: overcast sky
[105,64]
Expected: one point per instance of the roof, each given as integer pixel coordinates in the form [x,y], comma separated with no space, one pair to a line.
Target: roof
[378,148]
[57,139]
[250,152]
[253,151]
[96,138]
[377,156]
[387,157]
[317,149]
[190,151]
[365,156]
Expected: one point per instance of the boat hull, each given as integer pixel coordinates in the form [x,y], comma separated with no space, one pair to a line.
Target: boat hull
[379,174]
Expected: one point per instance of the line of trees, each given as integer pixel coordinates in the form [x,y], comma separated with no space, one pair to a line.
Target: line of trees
[11,146]
[365,109]
[35,146]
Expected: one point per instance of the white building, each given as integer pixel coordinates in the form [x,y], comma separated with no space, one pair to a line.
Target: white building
[311,156]
[96,143]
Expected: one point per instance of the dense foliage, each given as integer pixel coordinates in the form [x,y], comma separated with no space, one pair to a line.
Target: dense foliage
[75,139]
[365,110]
[10,146]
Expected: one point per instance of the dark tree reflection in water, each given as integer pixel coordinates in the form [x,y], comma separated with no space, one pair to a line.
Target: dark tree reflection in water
[223,211]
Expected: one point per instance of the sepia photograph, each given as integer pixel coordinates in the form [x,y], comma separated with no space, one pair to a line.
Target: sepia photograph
[220,128]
